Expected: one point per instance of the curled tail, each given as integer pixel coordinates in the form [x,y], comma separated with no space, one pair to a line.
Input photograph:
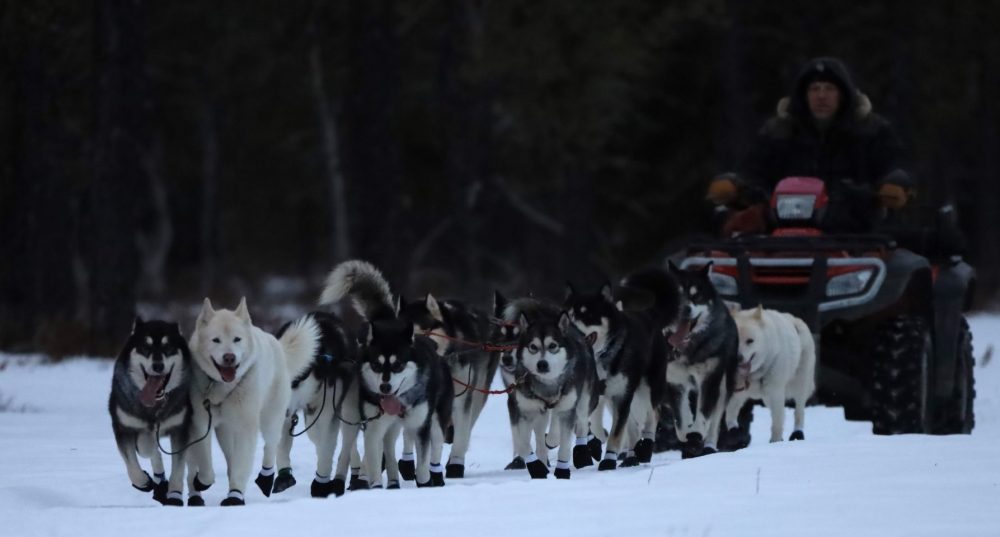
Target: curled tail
[364,284]
[300,340]
[662,290]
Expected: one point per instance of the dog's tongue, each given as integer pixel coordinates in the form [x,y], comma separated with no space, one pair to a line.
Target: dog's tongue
[390,405]
[227,373]
[677,338]
[152,388]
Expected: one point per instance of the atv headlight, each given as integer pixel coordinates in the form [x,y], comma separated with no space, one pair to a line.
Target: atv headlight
[796,206]
[850,283]
[724,284]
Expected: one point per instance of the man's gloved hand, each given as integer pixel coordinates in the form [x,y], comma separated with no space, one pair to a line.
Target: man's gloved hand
[723,189]
[893,196]
[896,189]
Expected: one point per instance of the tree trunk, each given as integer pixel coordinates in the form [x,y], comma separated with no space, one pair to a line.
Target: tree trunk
[120,145]
[340,245]
[208,122]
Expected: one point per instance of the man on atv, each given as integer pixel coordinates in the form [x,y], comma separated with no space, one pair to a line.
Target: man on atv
[825,128]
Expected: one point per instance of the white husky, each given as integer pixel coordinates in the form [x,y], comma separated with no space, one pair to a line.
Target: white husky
[244,374]
[777,363]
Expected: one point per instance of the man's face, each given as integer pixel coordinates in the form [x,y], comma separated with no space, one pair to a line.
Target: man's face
[824,100]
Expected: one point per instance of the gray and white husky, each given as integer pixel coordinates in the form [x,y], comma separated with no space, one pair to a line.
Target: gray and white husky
[404,384]
[241,387]
[702,372]
[506,331]
[459,332]
[150,390]
[558,378]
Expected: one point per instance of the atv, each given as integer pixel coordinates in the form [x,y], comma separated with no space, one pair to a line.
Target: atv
[894,345]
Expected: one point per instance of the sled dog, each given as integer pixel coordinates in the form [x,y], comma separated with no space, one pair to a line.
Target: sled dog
[777,362]
[242,387]
[506,331]
[702,371]
[404,383]
[456,329]
[321,393]
[630,355]
[150,390]
[558,378]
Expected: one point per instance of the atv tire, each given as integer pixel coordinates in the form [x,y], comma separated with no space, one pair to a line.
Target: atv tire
[958,414]
[901,362]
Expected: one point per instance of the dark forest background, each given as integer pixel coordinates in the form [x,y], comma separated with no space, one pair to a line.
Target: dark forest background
[152,153]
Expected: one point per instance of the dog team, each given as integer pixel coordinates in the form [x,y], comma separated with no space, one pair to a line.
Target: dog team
[423,369]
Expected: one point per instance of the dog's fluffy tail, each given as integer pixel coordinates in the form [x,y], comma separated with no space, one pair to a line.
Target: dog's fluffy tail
[300,340]
[663,293]
[364,284]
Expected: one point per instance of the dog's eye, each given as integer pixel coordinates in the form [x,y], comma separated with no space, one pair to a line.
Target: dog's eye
[236,340]
[750,341]
[533,349]
[553,347]
[167,351]
[143,350]
[216,340]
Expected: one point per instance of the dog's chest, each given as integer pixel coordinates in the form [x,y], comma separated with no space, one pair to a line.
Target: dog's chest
[681,372]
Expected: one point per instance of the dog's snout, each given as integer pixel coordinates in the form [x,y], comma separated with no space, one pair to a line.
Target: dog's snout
[228,359]
[385,387]
[507,360]
[543,366]
[158,367]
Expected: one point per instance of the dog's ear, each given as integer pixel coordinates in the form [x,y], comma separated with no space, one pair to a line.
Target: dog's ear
[759,312]
[522,321]
[565,324]
[408,333]
[569,292]
[672,267]
[499,303]
[206,313]
[733,307]
[136,323]
[175,328]
[433,307]
[400,303]
[619,305]
[607,293]
[707,268]
[366,333]
[242,313]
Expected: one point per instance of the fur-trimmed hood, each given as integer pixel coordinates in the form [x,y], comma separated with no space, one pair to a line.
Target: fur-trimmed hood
[853,104]
[862,107]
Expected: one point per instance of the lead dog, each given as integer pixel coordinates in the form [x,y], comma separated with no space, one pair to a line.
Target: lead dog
[242,387]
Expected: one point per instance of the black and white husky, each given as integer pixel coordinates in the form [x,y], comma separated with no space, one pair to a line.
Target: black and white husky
[149,397]
[506,331]
[459,332]
[702,373]
[558,378]
[404,384]
[631,360]
[321,392]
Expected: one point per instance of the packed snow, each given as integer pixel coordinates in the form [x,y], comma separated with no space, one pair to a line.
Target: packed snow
[60,474]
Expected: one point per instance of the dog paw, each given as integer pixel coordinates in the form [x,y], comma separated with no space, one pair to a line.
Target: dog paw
[196,501]
[708,451]
[797,435]
[630,461]
[392,485]
[516,464]
[537,469]
[230,501]
[148,486]
[407,470]
[321,490]
[160,491]
[644,450]
[596,450]
[454,471]
[562,473]
[337,487]
[358,484]
[284,481]
[607,464]
[424,485]
[581,456]
[199,486]
[173,502]
[265,483]
[437,479]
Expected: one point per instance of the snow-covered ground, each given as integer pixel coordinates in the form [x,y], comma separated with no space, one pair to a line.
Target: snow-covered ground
[60,474]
